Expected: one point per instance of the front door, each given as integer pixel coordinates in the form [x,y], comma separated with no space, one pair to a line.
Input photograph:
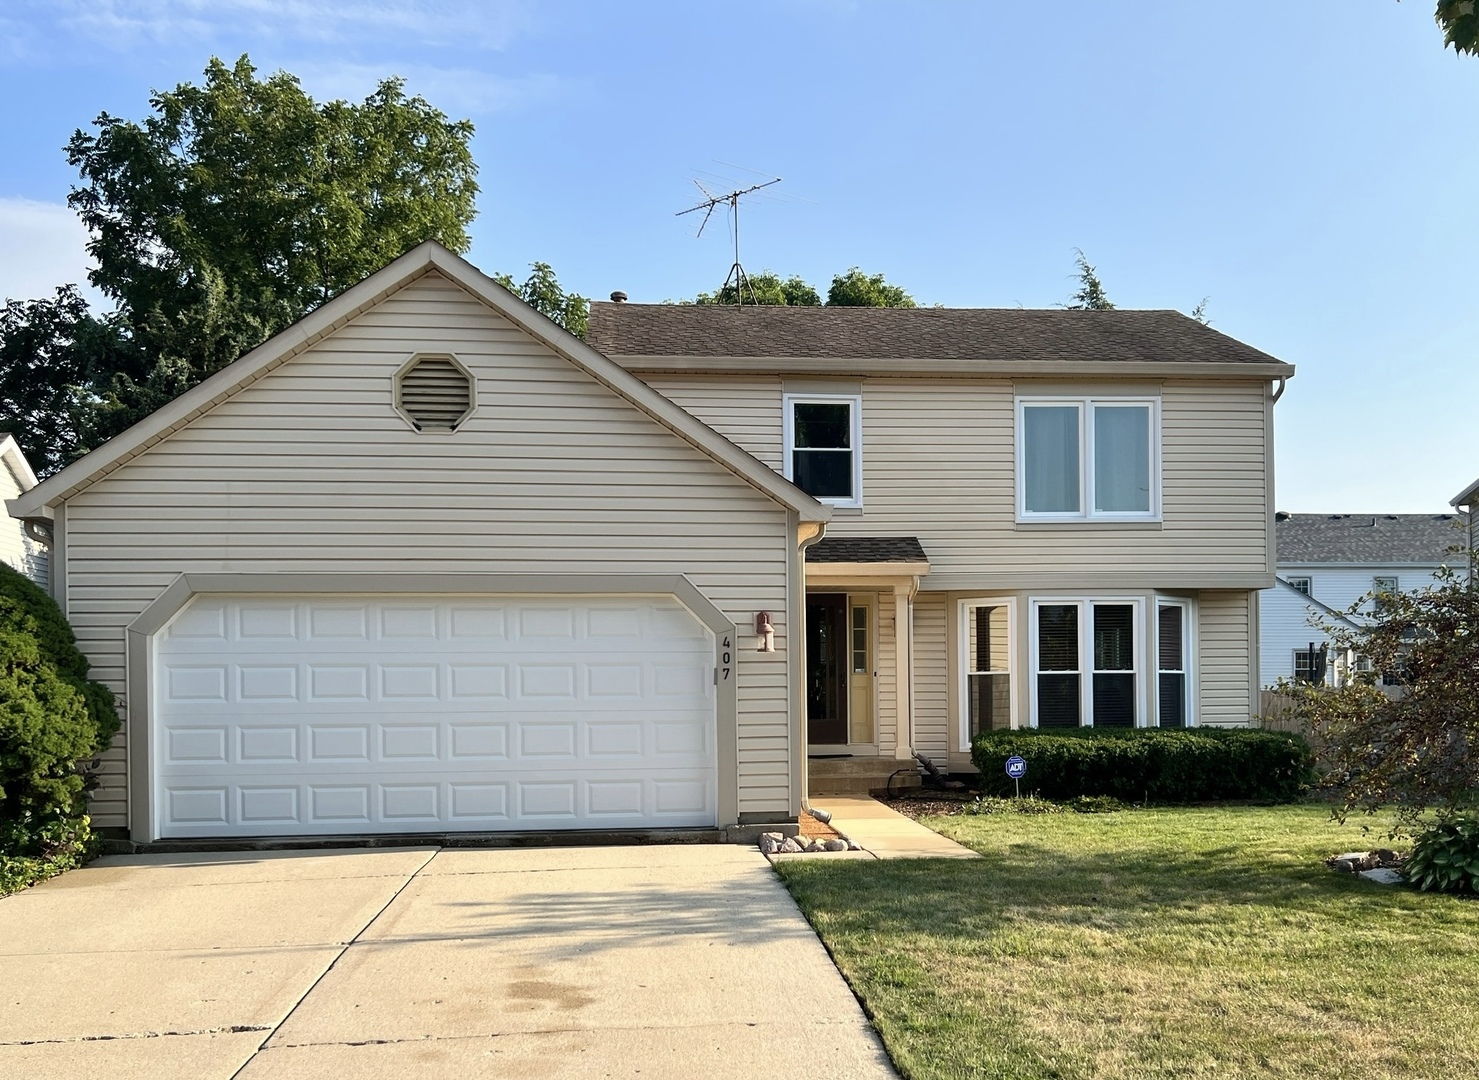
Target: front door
[826,669]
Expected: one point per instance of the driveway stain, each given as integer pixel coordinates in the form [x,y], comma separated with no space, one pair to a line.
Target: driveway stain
[532,993]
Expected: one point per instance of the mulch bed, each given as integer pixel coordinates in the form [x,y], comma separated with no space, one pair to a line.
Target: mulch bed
[813,829]
[941,804]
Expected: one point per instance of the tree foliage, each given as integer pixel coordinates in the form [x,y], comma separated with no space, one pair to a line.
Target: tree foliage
[1404,736]
[1090,295]
[857,289]
[232,210]
[1460,22]
[541,290]
[767,288]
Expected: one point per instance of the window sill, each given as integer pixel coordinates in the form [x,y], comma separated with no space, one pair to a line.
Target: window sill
[845,511]
[1087,525]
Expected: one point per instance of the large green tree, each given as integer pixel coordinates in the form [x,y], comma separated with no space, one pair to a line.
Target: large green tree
[857,289]
[767,288]
[1090,295]
[1460,22]
[236,207]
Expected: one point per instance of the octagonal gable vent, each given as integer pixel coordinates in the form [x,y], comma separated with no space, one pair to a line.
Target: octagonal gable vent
[435,393]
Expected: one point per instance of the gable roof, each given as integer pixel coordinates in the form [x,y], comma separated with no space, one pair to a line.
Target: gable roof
[428,257]
[15,461]
[1368,539]
[1316,605]
[867,549]
[920,340]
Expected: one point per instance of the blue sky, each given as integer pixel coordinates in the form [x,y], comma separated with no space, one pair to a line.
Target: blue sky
[1309,167]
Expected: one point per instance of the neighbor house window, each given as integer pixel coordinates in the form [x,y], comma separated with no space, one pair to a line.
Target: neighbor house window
[1086,657]
[1173,682]
[824,447]
[1309,665]
[1088,459]
[1299,584]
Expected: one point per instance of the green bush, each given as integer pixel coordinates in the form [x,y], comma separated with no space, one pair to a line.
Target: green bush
[1445,857]
[1149,764]
[52,716]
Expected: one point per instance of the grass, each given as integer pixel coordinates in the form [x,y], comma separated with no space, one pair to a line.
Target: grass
[1151,944]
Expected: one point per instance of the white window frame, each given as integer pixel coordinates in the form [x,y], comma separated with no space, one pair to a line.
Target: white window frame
[963,683]
[1086,465]
[1309,585]
[1189,655]
[1085,605]
[855,437]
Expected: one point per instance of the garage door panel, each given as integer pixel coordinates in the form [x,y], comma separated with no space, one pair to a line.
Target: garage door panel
[282,716]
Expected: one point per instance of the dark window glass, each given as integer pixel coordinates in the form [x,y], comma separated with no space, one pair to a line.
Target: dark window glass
[1057,637]
[1114,637]
[1169,643]
[1057,701]
[823,473]
[823,426]
[991,702]
[1173,700]
[1114,699]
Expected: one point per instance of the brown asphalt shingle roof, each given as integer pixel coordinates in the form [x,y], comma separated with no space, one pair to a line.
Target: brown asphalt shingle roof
[1006,335]
[865,549]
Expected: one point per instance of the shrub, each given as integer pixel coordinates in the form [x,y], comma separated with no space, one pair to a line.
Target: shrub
[1445,857]
[51,718]
[1150,764]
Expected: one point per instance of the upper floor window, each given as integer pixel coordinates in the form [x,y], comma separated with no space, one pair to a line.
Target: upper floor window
[824,446]
[1300,584]
[1084,459]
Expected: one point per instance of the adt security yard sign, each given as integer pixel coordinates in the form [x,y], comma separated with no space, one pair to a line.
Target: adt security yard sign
[1016,769]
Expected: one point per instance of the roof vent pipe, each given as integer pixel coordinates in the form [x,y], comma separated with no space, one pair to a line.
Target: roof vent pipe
[618,297]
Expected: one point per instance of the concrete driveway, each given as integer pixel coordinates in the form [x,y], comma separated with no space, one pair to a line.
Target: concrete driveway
[681,961]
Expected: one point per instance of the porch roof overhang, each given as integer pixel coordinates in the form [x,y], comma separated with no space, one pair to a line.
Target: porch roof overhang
[870,557]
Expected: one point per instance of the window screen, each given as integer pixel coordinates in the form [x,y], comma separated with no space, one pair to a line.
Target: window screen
[1058,675]
[1051,459]
[1171,702]
[1114,665]
[822,451]
[1122,459]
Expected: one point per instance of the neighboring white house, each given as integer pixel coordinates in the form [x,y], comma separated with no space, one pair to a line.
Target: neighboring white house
[17,547]
[1328,562]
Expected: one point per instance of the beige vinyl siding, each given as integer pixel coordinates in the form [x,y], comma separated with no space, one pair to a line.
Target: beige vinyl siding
[746,411]
[939,463]
[1225,632]
[311,469]
[931,678]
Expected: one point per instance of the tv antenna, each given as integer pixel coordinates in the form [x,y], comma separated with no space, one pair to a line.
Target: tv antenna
[711,201]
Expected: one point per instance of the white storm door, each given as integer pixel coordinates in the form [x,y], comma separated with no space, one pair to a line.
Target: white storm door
[282,715]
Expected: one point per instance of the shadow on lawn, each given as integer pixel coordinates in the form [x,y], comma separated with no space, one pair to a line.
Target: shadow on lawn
[970,898]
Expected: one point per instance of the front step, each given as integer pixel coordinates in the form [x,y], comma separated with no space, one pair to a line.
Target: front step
[860,776]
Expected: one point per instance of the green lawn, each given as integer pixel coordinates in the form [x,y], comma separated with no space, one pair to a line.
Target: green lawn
[1151,943]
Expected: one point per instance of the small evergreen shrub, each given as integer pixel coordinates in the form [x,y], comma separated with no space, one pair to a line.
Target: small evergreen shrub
[1149,764]
[52,716]
[1445,857]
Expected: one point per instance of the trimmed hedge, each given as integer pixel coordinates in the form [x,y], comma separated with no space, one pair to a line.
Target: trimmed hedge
[1150,764]
[52,716]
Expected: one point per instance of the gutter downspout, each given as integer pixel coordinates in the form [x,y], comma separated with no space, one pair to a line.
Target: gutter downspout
[1279,390]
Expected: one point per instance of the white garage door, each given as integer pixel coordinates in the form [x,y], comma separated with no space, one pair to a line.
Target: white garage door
[283,716]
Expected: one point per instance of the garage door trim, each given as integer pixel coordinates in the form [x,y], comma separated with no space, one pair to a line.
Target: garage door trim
[139,708]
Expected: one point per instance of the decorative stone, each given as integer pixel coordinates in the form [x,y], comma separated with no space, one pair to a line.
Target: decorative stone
[1383,876]
[835,845]
[1354,861]
[771,842]
[790,846]
[815,845]
[853,845]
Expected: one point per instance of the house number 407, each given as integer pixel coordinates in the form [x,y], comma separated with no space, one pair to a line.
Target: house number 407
[726,657]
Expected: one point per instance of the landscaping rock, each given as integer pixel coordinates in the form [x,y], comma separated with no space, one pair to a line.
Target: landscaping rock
[835,845]
[790,846]
[771,842]
[853,845]
[1353,862]
[1383,876]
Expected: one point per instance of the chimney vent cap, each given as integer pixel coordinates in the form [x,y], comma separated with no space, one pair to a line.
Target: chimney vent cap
[618,297]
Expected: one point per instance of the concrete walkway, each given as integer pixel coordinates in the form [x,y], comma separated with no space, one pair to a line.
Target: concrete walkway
[677,961]
[885,832]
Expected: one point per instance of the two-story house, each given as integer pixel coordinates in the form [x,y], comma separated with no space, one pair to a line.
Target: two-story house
[427,563]
[1330,563]
[1040,518]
